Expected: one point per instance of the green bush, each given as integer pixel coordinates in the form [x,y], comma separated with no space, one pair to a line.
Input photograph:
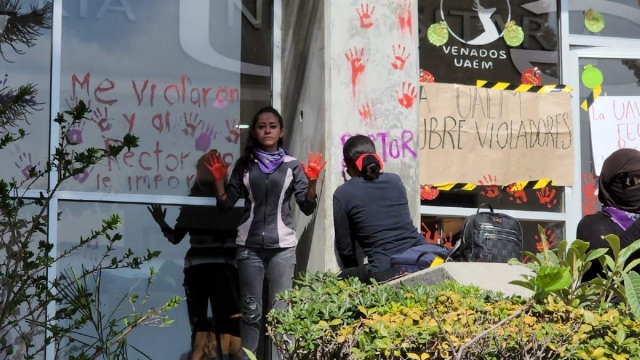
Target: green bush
[335,319]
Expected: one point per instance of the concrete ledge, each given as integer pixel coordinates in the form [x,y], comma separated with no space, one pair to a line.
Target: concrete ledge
[488,276]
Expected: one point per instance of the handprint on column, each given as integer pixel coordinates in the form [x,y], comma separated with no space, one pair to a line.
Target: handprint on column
[365,15]
[366,113]
[355,58]
[399,58]
[101,117]
[547,196]
[405,17]
[408,95]
[203,141]
[25,164]
[490,184]
[517,194]
[234,132]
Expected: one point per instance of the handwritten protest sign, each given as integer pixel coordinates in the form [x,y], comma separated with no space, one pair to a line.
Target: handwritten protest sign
[615,124]
[468,132]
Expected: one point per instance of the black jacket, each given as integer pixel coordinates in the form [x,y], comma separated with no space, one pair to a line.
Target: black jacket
[267,222]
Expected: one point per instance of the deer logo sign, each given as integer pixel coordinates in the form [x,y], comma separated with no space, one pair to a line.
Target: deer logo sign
[490,33]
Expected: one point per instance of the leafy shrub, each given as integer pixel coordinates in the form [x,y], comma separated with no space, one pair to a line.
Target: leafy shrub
[331,318]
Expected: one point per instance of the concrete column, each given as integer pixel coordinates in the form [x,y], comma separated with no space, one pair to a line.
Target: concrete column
[349,81]
[364,83]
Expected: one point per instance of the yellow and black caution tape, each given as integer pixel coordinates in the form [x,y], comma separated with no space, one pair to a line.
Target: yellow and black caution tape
[595,94]
[544,89]
[520,185]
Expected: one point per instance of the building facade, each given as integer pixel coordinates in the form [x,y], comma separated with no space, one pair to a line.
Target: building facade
[183,75]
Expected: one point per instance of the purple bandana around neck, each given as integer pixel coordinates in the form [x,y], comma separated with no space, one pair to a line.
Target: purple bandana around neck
[269,161]
[622,218]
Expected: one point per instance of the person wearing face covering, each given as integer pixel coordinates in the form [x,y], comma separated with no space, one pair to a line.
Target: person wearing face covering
[619,194]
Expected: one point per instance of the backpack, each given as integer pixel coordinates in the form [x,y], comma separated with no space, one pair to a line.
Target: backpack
[418,258]
[489,237]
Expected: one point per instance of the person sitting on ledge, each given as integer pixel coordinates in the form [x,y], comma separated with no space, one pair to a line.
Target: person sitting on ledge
[372,209]
[619,194]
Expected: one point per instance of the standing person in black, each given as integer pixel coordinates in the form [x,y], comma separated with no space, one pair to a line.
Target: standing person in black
[372,209]
[619,193]
[210,274]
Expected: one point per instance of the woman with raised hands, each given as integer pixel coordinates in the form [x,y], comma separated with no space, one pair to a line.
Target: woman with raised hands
[266,177]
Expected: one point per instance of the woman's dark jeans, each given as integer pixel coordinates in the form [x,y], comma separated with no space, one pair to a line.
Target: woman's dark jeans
[278,265]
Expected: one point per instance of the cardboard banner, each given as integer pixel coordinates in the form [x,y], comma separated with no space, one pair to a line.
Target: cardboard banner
[467,133]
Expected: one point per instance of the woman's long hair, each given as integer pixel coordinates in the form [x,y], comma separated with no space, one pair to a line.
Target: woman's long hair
[245,160]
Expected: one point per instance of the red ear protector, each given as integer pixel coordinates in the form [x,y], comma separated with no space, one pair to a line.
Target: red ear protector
[361,158]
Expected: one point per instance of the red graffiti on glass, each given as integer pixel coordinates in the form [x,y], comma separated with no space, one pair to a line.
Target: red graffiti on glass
[589,199]
[517,194]
[490,184]
[547,197]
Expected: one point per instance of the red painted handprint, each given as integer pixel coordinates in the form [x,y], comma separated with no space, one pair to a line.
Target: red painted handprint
[399,58]
[408,95]
[589,198]
[234,132]
[547,196]
[490,184]
[355,58]
[428,192]
[405,17]
[366,113]
[551,240]
[191,123]
[365,15]
[517,194]
[435,238]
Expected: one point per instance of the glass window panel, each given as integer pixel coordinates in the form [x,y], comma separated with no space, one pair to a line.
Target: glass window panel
[471,54]
[29,311]
[140,233]
[181,75]
[510,198]
[621,17]
[621,78]
[28,66]
[475,50]
[447,231]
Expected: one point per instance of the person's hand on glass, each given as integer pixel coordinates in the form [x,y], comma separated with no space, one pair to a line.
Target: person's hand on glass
[157,213]
[315,166]
[218,169]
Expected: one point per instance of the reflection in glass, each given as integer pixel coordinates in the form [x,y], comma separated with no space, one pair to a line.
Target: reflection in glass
[177,74]
[24,64]
[448,231]
[210,274]
[621,18]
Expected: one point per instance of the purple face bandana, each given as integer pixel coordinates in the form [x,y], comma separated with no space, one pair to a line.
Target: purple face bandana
[269,161]
[622,218]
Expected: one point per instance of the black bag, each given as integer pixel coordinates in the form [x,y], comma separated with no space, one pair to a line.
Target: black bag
[489,237]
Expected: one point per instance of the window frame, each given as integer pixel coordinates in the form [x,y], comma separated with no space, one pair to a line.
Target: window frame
[81,196]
